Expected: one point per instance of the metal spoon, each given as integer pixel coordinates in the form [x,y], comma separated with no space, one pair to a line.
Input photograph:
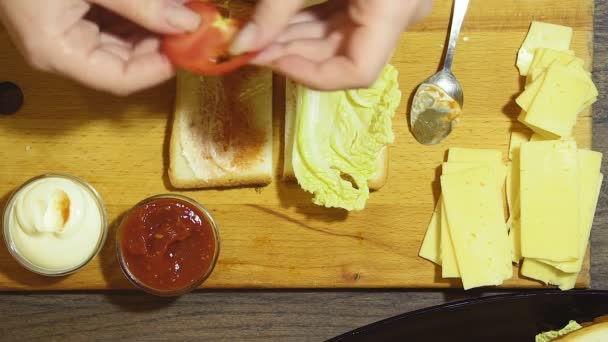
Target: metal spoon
[431,124]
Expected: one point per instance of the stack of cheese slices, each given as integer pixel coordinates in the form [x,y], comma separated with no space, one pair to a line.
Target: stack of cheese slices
[552,186]
[467,234]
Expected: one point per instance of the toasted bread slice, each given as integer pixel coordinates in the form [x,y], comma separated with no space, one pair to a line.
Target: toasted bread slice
[594,332]
[375,183]
[222,130]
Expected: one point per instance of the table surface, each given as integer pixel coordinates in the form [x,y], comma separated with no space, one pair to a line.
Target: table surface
[266,315]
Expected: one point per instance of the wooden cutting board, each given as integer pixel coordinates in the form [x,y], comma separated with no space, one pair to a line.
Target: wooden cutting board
[275,237]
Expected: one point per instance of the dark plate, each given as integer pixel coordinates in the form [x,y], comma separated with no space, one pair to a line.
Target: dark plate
[512,318]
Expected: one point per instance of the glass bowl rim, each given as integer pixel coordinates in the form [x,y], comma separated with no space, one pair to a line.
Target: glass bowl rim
[6,229]
[200,280]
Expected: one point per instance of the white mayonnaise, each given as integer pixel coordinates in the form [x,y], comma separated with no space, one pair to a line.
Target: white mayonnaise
[56,223]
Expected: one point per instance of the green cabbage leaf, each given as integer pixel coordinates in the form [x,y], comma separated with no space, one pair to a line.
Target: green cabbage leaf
[339,136]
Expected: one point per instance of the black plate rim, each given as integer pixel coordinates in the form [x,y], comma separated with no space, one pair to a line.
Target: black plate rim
[465,302]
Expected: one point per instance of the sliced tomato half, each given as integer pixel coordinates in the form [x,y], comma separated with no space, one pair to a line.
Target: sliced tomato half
[205,51]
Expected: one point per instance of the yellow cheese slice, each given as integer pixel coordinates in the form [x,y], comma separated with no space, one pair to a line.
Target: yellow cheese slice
[517,137]
[546,135]
[434,239]
[578,71]
[589,163]
[535,269]
[509,188]
[538,55]
[472,155]
[513,186]
[449,263]
[513,183]
[467,155]
[498,170]
[542,35]
[555,107]
[437,244]
[548,274]
[544,57]
[431,245]
[588,103]
[474,212]
[514,225]
[537,137]
[512,178]
[525,99]
[549,200]
[449,266]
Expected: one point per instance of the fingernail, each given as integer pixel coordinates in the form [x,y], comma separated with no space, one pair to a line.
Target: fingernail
[182,18]
[244,40]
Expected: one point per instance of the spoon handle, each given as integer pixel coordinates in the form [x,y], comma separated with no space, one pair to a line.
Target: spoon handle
[460,10]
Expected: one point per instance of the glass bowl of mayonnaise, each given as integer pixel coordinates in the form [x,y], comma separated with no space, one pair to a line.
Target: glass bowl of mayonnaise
[54,224]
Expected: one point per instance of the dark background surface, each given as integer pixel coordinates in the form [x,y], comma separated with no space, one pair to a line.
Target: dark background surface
[265,315]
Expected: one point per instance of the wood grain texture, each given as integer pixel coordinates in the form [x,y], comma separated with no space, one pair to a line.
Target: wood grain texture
[120,146]
[263,315]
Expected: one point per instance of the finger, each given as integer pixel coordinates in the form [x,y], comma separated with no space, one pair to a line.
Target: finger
[306,30]
[120,77]
[84,58]
[314,50]
[269,19]
[146,46]
[303,17]
[119,51]
[269,55]
[369,49]
[335,73]
[422,10]
[319,11]
[162,16]
[107,38]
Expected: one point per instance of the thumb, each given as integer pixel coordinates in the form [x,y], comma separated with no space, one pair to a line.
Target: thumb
[269,20]
[161,16]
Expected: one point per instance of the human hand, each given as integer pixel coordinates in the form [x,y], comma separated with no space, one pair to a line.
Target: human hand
[110,45]
[339,44]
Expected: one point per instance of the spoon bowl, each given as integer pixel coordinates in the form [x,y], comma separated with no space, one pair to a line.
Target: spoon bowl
[440,98]
[449,84]
[432,124]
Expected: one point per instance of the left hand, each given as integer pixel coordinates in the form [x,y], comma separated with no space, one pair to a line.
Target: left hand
[110,45]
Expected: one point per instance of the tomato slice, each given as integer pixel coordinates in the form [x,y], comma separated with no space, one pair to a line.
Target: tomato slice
[205,51]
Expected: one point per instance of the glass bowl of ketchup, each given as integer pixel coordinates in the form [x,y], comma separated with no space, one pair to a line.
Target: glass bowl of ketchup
[167,245]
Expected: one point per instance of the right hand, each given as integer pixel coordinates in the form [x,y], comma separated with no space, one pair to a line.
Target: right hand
[340,44]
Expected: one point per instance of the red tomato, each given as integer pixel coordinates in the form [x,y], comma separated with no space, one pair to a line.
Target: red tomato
[205,51]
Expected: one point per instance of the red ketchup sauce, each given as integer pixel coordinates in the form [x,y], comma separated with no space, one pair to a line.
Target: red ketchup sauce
[167,244]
